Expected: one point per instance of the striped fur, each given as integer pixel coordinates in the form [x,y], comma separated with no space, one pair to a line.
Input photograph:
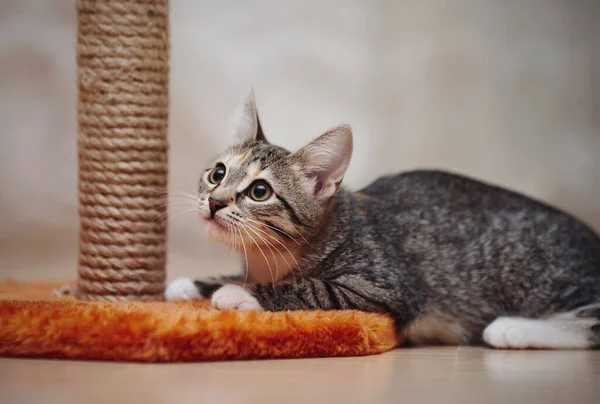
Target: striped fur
[452,259]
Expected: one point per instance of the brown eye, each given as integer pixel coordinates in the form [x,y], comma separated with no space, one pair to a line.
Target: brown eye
[217,174]
[260,191]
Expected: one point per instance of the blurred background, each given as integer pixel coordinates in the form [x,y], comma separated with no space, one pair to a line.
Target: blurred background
[505,91]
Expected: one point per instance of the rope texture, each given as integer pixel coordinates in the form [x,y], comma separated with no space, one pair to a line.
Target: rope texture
[123,77]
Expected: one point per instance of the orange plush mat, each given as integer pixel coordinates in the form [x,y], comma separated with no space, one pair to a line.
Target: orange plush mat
[35,323]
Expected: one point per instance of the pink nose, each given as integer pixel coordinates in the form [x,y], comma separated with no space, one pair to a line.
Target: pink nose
[214,206]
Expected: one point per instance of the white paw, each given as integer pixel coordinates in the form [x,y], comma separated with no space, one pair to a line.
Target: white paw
[182,289]
[234,297]
[506,333]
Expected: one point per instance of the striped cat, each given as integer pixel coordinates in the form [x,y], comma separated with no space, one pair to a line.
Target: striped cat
[453,260]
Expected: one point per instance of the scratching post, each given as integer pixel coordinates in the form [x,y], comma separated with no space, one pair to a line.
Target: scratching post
[123,77]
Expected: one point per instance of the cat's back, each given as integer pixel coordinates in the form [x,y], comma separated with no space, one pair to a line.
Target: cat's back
[462,232]
[436,188]
[452,206]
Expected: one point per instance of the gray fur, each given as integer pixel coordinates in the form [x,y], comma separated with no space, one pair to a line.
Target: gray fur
[416,243]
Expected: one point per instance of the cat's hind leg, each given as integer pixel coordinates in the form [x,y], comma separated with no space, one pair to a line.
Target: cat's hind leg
[577,329]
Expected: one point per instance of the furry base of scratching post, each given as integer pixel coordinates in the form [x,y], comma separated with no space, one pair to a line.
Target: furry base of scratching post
[123,71]
[35,323]
[123,76]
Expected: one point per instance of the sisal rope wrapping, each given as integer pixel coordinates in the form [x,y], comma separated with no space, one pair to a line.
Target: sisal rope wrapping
[123,77]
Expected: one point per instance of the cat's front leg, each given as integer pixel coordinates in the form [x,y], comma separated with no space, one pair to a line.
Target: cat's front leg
[234,297]
[191,289]
[306,294]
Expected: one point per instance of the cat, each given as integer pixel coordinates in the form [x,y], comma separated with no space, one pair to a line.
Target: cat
[452,259]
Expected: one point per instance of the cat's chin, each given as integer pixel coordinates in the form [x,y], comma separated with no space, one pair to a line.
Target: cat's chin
[216,231]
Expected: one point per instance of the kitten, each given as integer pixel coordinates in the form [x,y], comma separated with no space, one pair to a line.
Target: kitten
[453,260]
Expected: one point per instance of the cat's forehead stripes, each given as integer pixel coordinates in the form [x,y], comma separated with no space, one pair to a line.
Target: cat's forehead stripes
[246,165]
[235,175]
[253,171]
[238,158]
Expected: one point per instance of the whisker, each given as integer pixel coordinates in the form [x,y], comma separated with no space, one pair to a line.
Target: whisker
[245,254]
[269,245]
[274,228]
[261,251]
[166,214]
[178,196]
[284,246]
[184,195]
[235,245]
[178,203]
[228,236]
[289,236]
[232,243]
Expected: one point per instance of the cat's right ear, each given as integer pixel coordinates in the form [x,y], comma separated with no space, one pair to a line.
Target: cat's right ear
[325,160]
[245,124]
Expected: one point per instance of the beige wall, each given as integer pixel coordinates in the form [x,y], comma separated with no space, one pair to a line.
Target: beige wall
[507,91]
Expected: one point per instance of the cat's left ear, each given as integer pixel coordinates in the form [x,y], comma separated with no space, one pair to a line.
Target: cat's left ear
[245,122]
[326,159]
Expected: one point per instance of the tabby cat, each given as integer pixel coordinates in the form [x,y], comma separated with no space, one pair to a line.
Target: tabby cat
[452,259]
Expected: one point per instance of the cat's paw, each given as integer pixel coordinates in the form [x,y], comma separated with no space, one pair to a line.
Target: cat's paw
[234,297]
[507,333]
[182,289]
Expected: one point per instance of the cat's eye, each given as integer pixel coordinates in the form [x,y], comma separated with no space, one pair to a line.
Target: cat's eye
[260,191]
[217,174]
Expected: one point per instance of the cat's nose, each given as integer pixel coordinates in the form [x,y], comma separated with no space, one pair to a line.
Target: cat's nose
[214,206]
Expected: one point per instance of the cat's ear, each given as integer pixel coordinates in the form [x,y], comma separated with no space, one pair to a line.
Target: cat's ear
[326,159]
[245,124]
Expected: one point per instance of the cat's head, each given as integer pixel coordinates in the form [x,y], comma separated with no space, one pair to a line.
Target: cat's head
[261,193]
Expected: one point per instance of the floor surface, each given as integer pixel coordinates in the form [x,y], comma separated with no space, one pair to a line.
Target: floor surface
[407,375]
